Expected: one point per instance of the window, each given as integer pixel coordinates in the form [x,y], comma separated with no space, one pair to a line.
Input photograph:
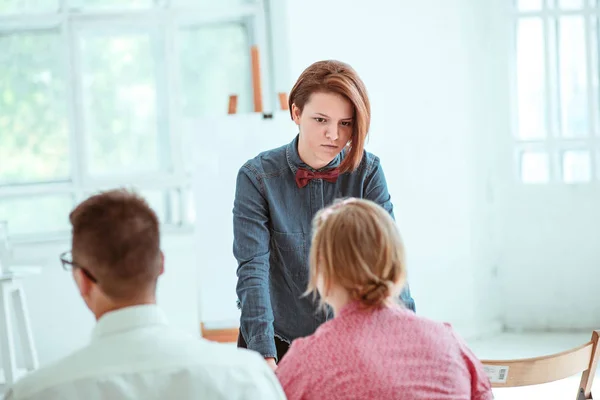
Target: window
[557,98]
[97,94]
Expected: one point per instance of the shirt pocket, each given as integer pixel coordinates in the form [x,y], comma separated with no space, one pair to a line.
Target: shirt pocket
[290,251]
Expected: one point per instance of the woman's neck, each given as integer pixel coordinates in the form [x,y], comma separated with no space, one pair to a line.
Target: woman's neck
[338,299]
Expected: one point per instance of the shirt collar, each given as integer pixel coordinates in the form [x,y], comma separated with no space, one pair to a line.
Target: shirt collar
[350,308]
[128,318]
[295,162]
[357,306]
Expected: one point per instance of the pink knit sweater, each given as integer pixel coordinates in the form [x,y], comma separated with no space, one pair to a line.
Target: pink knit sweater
[388,353]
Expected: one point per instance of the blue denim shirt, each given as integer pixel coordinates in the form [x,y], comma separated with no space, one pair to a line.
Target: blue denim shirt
[272,221]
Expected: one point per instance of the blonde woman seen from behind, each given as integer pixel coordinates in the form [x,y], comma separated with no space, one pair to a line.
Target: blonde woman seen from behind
[373,348]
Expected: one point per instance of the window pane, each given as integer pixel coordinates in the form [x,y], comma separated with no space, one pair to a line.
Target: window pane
[576,166]
[112,4]
[215,63]
[20,6]
[573,77]
[210,3]
[529,5]
[120,104]
[189,213]
[174,211]
[164,202]
[34,138]
[159,200]
[595,52]
[530,79]
[570,4]
[36,214]
[535,167]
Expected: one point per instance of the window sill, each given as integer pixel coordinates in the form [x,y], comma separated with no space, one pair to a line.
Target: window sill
[60,237]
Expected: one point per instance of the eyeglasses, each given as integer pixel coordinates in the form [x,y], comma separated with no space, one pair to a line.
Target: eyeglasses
[68,264]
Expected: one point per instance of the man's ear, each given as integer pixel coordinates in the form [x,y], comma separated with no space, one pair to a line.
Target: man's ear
[83,282]
[162,263]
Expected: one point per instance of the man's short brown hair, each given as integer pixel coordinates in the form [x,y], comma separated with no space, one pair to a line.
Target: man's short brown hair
[116,237]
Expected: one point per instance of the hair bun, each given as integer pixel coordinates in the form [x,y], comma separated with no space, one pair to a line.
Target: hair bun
[376,293]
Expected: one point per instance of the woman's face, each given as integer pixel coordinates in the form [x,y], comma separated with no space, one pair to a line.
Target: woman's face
[325,128]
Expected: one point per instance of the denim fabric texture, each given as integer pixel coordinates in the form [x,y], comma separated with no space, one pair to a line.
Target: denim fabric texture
[272,219]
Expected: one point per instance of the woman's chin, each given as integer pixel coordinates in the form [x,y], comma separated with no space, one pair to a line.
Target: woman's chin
[326,156]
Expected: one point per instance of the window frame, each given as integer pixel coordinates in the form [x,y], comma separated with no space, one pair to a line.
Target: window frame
[554,144]
[165,21]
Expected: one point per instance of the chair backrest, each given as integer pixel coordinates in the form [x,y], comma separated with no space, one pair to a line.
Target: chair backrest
[533,371]
[220,334]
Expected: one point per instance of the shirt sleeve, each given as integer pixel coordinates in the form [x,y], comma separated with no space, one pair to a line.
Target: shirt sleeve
[251,237]
[292,373]
[481,388]
[265,385]
[376,188]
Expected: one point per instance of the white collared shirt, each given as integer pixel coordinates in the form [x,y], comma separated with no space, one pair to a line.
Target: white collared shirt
[134,354]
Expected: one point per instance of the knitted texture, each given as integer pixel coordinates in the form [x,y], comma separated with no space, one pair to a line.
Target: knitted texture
[386,353]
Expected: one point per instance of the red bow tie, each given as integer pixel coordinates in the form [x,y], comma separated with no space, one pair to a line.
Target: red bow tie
[303,176]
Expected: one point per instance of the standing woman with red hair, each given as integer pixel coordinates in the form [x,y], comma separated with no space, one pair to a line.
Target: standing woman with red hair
[278,193]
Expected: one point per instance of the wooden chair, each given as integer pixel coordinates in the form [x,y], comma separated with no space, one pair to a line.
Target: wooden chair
[219,334]
[533,371]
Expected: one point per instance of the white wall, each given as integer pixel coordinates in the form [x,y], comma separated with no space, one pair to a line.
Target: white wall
[545,237]
[423,63]
[550,257]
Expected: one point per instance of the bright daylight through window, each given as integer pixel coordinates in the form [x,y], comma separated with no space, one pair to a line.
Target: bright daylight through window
[556,90]
[96,94]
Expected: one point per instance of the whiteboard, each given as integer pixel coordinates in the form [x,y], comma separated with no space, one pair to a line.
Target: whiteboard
[220,147]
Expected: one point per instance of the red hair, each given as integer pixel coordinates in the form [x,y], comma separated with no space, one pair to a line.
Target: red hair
[333,76]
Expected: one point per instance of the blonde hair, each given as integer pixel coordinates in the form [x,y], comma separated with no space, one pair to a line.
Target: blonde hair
[357,246]
[332,76]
